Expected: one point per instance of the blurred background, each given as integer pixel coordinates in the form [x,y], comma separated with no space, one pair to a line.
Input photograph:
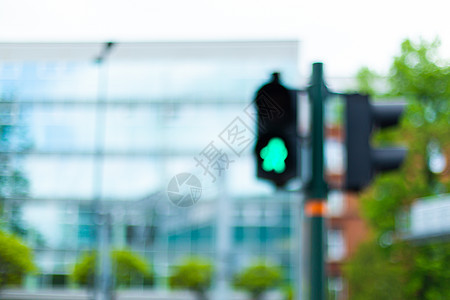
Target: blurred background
[105,105]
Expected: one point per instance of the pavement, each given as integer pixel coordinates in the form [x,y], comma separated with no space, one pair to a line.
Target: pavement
[66,294]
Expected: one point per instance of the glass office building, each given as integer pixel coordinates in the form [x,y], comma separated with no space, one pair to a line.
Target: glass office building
[79,132]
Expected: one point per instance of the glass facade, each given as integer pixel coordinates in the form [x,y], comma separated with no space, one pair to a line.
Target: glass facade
[76,131]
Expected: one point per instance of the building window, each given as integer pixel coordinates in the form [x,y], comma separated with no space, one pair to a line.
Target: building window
[336,245]
[335,288]
[335,203]
[252,214]
[59,280]
[239,235]
[334,153]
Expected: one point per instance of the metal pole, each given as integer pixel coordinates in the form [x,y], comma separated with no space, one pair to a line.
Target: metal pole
[223,241]
[298,252]
[317,190]
[103,277]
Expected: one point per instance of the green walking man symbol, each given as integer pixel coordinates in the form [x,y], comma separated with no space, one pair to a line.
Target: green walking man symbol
[274,156]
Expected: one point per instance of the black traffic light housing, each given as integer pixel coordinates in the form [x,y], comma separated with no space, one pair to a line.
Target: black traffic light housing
[364,161]
[277,121]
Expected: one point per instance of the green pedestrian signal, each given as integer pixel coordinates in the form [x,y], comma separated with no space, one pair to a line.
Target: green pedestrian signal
[277,147]
[274,156]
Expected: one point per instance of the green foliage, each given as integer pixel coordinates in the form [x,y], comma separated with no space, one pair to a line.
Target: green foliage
[194,274]
[15,260]
[424,121]
[13,182]
[403,270]
[366,79]
[126,265]
[289,292]
[429,271]
[258,278]
[373,276]
[419,73]
[84,270]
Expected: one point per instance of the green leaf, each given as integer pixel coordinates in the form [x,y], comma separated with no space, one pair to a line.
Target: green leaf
[194,273]
[15,260]
[258,278]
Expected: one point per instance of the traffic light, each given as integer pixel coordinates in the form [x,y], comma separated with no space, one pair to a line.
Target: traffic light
[364,161]
[277,146]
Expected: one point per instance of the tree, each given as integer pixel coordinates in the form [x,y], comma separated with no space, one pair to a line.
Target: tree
[373,276]
[84,270]
[257,279]
[289,292]
[126,266]
[13,182]
[15,260]
[194,274]
[366,80]
[412,271]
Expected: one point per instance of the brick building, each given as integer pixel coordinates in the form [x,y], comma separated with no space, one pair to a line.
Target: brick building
[346,228]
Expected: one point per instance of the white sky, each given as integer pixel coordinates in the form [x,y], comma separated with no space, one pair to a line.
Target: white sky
[345,34]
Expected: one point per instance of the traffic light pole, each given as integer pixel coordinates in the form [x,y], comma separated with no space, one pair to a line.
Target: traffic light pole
[317,189]
[277,156]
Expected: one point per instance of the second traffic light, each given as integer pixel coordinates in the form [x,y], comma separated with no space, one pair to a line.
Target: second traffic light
[276,149]
[364,161]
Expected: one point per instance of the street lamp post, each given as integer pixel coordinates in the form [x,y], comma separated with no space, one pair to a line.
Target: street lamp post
[102,278]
